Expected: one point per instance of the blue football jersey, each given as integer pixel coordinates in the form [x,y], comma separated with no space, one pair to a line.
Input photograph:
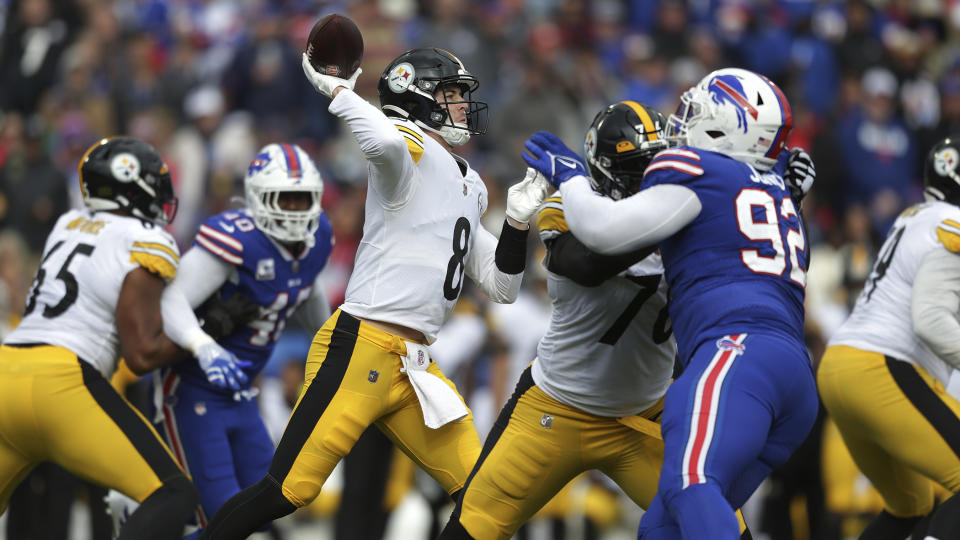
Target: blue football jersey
[740,265]
[268,274]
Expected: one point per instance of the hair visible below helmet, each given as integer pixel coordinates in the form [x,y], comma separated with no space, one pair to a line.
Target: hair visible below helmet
[408,89]
[619,145]
[277,169]
[123,173]
[940,179]
[735,112]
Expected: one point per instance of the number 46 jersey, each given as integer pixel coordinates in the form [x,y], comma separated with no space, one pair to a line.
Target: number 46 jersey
[73,300]
[740,265]
[881,320]
[265,273]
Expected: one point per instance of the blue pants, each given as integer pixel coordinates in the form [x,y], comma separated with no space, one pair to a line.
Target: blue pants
[741,407]
[221,443]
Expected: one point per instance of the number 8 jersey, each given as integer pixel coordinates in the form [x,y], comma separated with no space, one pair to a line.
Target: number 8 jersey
[73,300]
[419,236]
[740,265]
[881,320]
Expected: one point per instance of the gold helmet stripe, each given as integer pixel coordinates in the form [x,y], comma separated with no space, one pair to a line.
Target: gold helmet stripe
[648,126]
[83,158]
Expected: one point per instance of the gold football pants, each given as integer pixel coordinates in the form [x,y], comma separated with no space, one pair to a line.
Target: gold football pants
[352,380]
[538,444]
[900,425]
[56,407]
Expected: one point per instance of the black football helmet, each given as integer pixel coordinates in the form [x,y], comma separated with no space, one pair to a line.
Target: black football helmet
[940,179]
[408,89]
[620,143]
[123,173]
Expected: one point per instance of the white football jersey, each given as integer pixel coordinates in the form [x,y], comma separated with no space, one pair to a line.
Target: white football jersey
[73,300]
[411,263]
[881,320]
[609,349]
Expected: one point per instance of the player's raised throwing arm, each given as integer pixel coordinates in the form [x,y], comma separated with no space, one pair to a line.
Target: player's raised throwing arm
[380,141]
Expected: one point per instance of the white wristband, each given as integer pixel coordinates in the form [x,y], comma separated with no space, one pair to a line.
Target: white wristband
[196,339]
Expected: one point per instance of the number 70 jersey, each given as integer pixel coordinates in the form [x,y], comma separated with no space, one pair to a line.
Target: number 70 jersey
[740,265]
[73,300]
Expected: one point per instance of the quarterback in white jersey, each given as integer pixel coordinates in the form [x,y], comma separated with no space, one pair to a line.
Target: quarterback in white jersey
[593,396]
[369,363]
[884,373]
[96,295]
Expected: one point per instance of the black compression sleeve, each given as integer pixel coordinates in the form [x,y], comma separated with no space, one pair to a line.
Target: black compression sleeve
[511,254]
[568,257]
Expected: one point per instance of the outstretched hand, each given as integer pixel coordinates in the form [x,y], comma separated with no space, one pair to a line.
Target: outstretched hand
[326,84]
[546,153]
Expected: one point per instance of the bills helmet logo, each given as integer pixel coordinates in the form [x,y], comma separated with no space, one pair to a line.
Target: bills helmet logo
[727,89]
[259,162]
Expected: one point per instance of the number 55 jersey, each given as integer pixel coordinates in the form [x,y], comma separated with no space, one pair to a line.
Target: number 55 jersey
[73,300]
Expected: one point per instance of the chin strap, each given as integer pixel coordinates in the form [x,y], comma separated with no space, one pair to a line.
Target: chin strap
[455,136]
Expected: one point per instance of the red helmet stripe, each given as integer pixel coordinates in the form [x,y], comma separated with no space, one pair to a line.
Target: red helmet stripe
[786,124]
[293,161]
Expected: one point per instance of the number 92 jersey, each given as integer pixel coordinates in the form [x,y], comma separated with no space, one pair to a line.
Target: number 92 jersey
[881,320]
[73,300]
[740,265]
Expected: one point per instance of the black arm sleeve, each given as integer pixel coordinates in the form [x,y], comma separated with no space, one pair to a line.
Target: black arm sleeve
[511,253]
[569,258]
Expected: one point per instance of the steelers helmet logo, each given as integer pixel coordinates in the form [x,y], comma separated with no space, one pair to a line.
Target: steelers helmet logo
[590,143]
[125,167]
[945,161]
[401,77]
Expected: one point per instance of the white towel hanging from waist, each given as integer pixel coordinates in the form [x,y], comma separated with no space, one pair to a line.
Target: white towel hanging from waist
[440,403]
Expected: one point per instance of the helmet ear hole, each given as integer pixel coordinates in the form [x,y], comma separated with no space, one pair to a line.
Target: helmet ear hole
[714,134]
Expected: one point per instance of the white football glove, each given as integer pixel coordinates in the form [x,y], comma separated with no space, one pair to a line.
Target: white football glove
[526,196]
[326,84]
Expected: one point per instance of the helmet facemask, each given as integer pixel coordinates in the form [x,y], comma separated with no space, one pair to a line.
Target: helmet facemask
[277,176]
[285,225]
[620,177]
[458,133]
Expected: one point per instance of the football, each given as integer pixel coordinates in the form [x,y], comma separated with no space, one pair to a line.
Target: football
[335,46]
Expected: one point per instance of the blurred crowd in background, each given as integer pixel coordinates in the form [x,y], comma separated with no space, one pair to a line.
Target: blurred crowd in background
[872,83]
